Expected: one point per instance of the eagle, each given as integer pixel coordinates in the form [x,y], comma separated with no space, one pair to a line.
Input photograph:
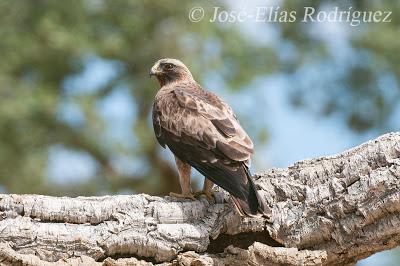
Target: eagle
[203,132]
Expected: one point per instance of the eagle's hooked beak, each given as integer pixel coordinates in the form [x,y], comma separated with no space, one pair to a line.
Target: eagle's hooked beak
[154,71]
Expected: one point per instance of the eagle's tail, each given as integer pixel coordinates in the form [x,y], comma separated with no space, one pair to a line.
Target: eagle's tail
[239,183]
[252,204]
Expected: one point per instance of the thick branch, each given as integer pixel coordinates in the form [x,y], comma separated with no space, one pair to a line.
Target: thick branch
[330,210]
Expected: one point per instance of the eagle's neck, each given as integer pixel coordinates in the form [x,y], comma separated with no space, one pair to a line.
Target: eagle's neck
[166,80]
[171,82]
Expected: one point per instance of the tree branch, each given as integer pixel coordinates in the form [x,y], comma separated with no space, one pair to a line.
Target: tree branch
[331,210]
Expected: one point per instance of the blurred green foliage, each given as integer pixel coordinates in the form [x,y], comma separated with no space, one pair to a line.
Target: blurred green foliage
[366,90]
[44,43]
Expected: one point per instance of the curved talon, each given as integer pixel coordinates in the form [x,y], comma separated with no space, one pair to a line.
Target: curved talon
[209,195]
[182,196]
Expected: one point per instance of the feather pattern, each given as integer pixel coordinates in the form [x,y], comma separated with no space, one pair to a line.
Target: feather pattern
[203,131]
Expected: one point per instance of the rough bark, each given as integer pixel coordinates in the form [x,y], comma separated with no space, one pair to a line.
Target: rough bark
[326,211]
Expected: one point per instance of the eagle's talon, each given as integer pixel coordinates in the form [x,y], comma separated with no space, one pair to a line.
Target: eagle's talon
[182,196]
[209,195]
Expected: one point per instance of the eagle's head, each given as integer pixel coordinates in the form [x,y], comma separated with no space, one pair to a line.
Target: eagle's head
[169,70]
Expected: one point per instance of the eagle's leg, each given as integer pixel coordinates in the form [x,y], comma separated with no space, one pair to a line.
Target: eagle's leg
[184,170]
[208,184]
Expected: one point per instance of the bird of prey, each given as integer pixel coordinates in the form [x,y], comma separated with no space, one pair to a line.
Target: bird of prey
[203,132]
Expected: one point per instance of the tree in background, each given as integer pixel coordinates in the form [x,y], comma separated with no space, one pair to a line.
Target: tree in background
[48,46]
[357,66]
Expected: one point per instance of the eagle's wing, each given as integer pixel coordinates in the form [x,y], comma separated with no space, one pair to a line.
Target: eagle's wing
[203,118]
[202,130]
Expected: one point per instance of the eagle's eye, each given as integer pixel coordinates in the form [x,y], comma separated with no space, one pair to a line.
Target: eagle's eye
[168,66]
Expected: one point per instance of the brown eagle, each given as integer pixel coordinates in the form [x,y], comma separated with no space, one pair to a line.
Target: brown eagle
[202,132]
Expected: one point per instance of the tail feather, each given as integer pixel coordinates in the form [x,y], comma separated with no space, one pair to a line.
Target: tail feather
[252,205]
[244,194]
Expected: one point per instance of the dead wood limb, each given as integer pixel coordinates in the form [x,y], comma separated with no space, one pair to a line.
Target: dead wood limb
[327,211]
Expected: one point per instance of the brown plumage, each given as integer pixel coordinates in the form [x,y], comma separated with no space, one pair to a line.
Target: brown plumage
[202,131]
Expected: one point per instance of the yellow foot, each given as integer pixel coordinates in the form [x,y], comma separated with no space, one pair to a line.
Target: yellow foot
[209,195]
[182,196]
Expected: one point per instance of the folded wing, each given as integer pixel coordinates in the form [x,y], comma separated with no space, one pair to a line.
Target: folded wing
[202,130]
